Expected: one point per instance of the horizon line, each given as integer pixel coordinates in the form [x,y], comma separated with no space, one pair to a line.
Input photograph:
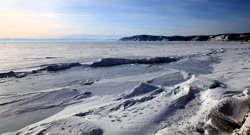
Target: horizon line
[91,39]
[53,39]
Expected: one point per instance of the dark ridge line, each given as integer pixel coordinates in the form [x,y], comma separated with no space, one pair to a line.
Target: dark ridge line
[243,37]
[105,62]
[117,61]
[102,63]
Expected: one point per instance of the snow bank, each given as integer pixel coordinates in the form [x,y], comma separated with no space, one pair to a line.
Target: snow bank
[224,105]
[230,115]
[141,89]
[170,79]
[66,126]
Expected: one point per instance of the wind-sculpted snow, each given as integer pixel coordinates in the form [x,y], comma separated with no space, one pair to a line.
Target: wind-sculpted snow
[116,61]
[155,86]
[66,127]
[132,113]
[226,117]
[170,79]
[142,89]
[21,103]
[199,93]
[213,52]
[229,113]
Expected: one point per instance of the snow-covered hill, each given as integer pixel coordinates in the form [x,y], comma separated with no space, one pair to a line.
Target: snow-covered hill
[221,37]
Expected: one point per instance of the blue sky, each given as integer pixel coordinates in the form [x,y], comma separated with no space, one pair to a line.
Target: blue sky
[113,19]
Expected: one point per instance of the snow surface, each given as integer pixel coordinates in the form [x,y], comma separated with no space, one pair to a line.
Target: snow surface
[205,91]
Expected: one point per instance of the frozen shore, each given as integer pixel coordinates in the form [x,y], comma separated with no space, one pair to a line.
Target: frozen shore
[206,91]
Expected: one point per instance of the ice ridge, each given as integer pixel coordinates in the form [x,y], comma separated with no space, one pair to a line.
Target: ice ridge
[119,61]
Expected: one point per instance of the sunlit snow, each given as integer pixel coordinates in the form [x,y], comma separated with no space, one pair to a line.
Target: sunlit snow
[124,87]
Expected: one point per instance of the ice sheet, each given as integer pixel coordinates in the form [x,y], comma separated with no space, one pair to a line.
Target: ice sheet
[134,98]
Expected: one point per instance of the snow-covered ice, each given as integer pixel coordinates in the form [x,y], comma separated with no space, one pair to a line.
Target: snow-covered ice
[125,87]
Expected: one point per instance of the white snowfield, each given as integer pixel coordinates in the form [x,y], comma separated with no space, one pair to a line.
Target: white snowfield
[170,101]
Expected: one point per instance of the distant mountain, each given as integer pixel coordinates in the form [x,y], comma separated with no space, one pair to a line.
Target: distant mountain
[51,40]
[220,37]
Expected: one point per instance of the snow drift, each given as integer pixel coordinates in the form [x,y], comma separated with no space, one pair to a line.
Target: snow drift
[21,103]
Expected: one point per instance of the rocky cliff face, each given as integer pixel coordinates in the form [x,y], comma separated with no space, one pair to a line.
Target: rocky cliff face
[221,37]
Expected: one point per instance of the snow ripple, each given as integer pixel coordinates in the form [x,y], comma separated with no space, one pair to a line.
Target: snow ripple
[21,103]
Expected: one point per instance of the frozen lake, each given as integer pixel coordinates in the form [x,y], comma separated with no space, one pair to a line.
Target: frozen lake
[134,87]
